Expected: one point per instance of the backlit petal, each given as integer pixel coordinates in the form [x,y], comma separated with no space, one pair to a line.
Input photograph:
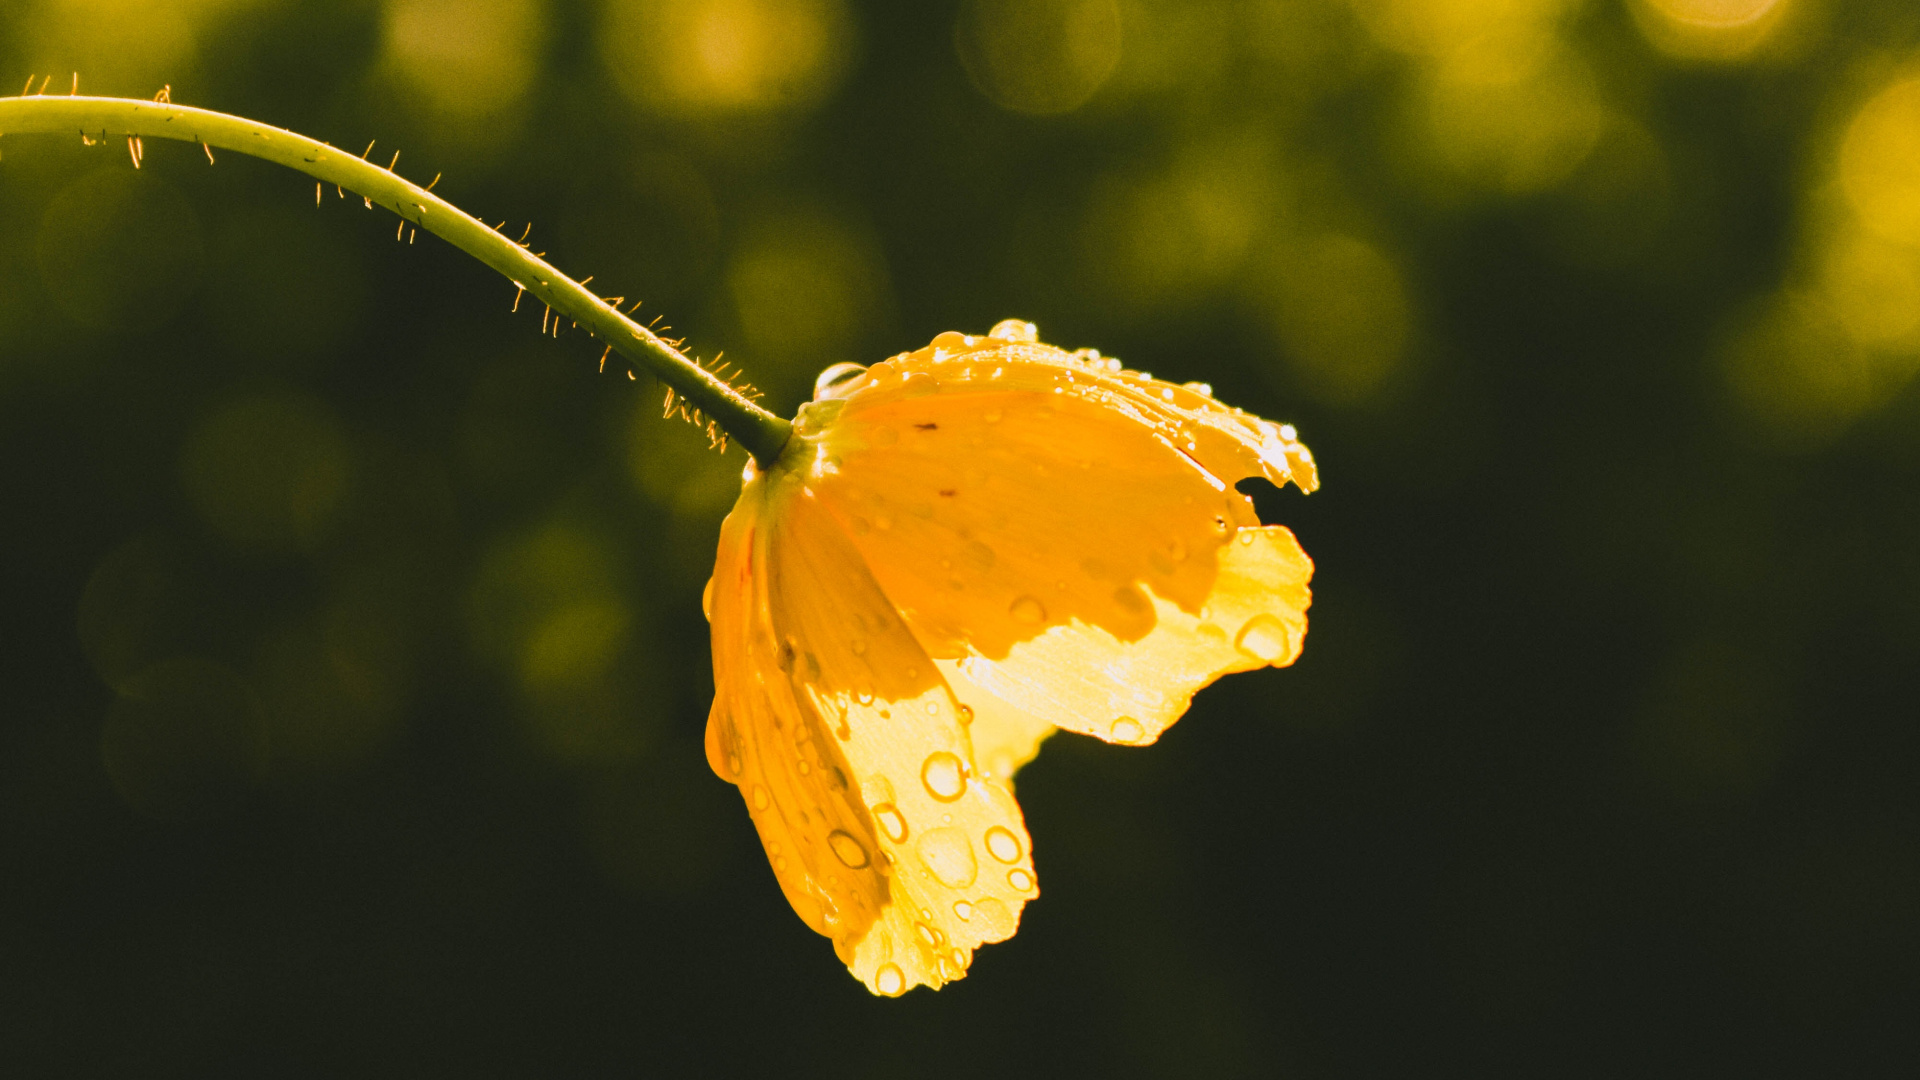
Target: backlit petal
[1063,536]
[882,833]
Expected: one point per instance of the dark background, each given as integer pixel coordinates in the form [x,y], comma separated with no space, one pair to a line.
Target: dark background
[354,671]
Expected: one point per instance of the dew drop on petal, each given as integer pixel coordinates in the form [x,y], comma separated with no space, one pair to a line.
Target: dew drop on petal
[892,822]
[831,382]
[962,910]
[1127,730]
[706,600]
[991,920]
[759,797]
[944,775]
[733,764]
[1020,879]
[1247,537]
[859,646]
[1264,637]
[1015,330]
[927,933]
[949,855]
[847,849]
[1002,844]
[889,981]
[1028,610]
[966,714]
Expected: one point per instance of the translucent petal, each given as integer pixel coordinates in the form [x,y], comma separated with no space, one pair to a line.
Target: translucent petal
[882,833]
[1064,537]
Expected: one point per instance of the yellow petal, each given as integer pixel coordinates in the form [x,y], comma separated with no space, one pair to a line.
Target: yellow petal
[1063,537]
[852,754]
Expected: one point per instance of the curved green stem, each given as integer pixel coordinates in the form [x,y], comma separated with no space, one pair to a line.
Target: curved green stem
[761,432]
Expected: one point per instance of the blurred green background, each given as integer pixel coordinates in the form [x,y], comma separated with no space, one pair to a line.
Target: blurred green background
[353,659]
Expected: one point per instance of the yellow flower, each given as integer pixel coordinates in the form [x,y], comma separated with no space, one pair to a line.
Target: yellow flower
[961,549]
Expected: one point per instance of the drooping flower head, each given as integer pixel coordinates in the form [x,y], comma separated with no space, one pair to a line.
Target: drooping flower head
[961,549]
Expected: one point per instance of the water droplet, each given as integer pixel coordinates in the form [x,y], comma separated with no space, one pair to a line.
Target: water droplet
[832,382]
[889,981]
[864,697]
[991,919]
[859,646]
[1176,551]
[892,822]
[760,798]
[804,768]
[949,855]
[979,555]
[1028,610]
[966,714]
[1015,330]
[1002,844]
[706,600]
[847,849]
[944,775]
[1127,730]
[1247,537]
[1264,637]
[960,958]
[927,933]
[1020,879]
[963,910]
[933,708]
[733,764]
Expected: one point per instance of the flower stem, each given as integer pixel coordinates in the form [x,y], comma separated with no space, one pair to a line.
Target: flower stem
[761,432]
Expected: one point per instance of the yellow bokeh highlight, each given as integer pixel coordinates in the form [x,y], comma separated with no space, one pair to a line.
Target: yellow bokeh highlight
[1470,41]
[1517,136]
[553,609]
[1173,235]
[1873,289]
[129,47]
[1843,338]
[469,59]
[1795,367]
[1040,57]
[1880,163]
[1708,29]
[1342,314]
[805,287]
[270,472]
[696,59]
[675,468]
[1499,100]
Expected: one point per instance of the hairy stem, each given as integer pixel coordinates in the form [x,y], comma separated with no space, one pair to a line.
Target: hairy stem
[761,432]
